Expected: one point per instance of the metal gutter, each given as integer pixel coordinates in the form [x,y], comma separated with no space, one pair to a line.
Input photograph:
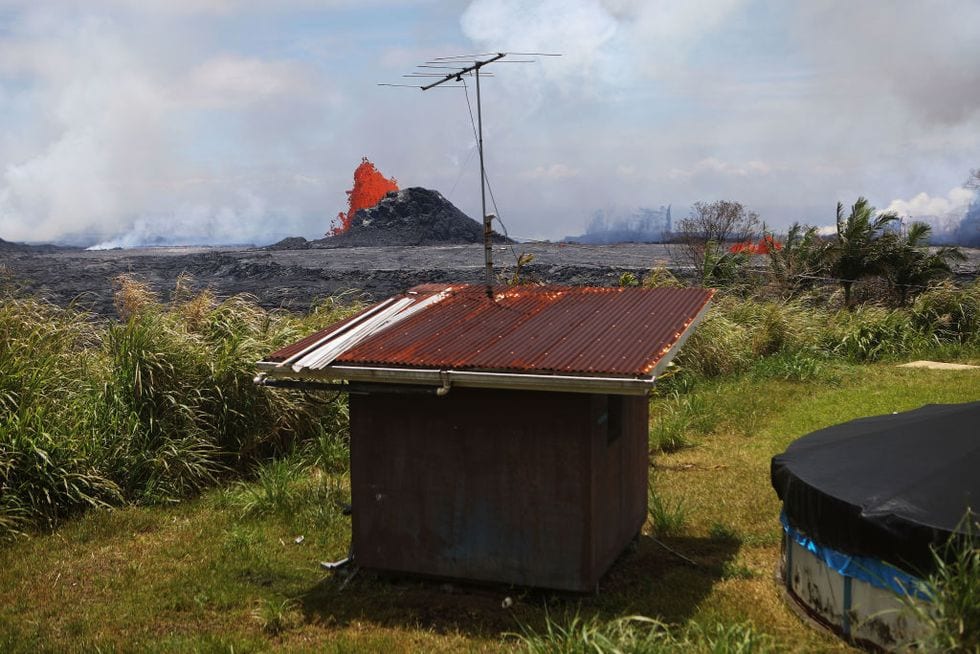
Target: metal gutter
[466,379]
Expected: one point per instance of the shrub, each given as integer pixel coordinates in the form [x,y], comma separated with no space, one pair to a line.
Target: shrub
[152,408]
[46,472]
[874,333]
[719,346]
[776,327]
[948,313]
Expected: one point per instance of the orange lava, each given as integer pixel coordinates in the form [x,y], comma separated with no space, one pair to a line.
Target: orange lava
[765,245]
[369,187]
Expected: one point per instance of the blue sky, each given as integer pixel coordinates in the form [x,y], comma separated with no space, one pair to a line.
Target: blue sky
[128,121]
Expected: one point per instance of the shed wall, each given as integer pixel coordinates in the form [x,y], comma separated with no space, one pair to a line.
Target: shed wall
[518,487]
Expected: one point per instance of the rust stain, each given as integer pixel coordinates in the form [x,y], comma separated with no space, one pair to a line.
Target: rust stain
[541,329]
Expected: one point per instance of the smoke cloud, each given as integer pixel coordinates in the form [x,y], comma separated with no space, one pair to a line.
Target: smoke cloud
[955,218]
[644,225]
[208,121]
[121,140]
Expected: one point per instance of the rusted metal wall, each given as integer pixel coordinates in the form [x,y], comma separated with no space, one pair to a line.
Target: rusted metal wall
[530,488]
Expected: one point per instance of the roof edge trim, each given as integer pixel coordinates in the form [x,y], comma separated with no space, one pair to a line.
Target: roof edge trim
[674,348]
[467,379]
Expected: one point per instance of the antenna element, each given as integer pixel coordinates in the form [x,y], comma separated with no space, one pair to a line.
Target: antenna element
[456,74]
[487,218]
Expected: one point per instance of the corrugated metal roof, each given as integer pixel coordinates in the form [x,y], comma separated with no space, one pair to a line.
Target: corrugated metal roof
[559,330]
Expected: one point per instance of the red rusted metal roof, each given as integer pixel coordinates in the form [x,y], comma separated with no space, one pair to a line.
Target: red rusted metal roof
[559,330]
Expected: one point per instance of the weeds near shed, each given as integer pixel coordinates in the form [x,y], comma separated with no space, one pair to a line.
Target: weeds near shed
[950,613]
[800,366]
[642,635]
[275,489]
[275,617]
[669,433]
[666,518]
[679,416]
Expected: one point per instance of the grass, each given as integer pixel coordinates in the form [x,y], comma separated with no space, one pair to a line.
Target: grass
[224,571]
[150,409]
[642,635]
[153,498]
[666,517]
[952,614]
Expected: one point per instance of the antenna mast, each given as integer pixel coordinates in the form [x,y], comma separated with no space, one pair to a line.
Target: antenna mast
[487,218]
[456,74]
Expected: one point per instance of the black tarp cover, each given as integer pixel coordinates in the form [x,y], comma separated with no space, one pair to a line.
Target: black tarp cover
[886,486]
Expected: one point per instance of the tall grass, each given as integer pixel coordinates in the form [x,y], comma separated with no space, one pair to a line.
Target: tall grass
[160,404]
[642,635]
[149,409]
[739,334]
[950,614]
[667,518]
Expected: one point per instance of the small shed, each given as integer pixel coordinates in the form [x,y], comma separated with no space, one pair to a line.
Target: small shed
[498,434]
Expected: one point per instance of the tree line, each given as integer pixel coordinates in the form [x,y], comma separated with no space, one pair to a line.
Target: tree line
[717,240]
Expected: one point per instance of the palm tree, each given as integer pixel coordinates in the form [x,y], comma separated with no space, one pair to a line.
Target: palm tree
[910,265]
[859,251]
[801,260]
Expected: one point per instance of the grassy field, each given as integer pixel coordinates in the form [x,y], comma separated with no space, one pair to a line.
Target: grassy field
[224,571]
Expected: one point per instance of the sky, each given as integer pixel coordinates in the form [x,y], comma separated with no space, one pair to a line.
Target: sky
[125,122]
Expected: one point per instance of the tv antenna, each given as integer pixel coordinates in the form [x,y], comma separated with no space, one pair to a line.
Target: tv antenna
[457,69]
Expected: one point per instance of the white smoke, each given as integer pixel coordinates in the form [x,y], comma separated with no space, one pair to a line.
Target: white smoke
[124,118]
[207,225]
[955,218]
[603,42]
[112,143]
[953,205]
[920,55]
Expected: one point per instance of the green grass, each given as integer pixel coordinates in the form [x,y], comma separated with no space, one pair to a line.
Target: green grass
[150,409]
[154,499]
[224,571]
[642,635]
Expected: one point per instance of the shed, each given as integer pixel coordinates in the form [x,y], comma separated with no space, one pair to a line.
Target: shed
[498,434]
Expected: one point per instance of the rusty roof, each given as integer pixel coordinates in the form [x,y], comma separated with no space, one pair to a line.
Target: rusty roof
[556,330]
